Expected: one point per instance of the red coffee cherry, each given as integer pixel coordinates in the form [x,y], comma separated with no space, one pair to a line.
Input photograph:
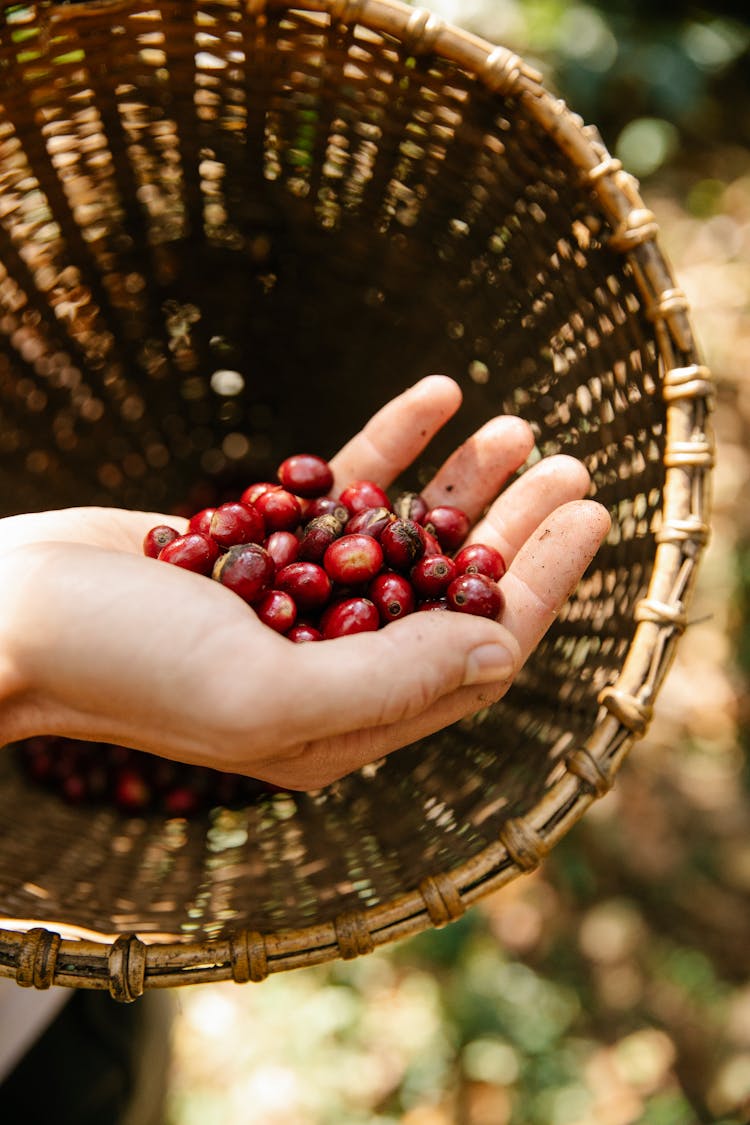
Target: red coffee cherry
[277,610]
[411,506]
[354,615]
[308,584]
[480,558]
[233,523]
[303,633]
[449,525]
[157,538]
[431,545]
[353,559]
[370,521]
[246,568]
[132,793]
[325,506]
[75,788]
[201,521]
[283,547]
[181,801]
[280,510]
[317,537]
[361,494]
[253,491]
[476,594]
[432,576]
[402,543]
[392,595]
[433,604]
[191,551]
[306,475]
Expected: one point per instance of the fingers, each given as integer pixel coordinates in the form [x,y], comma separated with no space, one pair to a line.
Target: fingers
[472,476]
[397,434]
[548,567]
[518,511]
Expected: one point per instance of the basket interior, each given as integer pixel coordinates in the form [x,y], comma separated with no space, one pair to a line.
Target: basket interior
[225,239]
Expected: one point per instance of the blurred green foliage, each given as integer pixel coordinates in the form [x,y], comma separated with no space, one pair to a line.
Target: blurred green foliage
[666,82]
[678,65]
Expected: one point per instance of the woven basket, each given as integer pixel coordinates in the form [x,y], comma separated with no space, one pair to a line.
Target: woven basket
[331,199]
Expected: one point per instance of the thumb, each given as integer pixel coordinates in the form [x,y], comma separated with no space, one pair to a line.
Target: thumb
[397,673]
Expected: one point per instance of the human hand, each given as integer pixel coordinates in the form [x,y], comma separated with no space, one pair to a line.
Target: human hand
[99,642]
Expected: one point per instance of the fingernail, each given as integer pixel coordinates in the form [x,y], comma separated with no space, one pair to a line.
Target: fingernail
[487,664]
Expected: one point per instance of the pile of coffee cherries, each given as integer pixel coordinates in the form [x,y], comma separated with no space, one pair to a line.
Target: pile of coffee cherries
[314,567]
[133,782]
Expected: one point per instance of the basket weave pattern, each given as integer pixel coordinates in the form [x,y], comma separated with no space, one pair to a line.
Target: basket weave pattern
[330,200]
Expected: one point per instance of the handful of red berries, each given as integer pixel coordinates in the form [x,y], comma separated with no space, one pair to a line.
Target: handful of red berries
[314,567]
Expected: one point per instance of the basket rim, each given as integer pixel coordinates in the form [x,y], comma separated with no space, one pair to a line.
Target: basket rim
[127,964]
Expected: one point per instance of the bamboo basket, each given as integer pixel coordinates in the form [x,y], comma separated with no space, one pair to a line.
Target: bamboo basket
[330,199]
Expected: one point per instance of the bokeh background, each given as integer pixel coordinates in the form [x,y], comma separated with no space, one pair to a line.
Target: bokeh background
[611,987]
